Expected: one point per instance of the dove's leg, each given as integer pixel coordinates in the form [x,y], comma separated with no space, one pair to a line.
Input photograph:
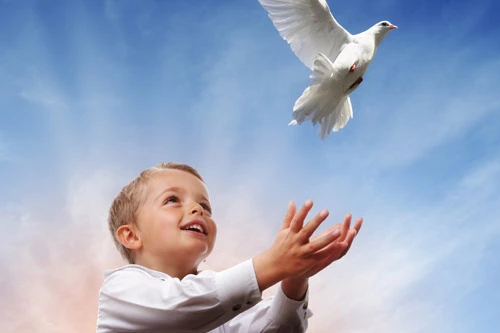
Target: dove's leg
[353,67]
[356,83]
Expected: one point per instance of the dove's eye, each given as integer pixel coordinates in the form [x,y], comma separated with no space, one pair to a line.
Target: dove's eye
[385,24]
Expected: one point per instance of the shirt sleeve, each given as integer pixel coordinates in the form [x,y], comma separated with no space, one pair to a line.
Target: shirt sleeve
[277,314]
[131,299]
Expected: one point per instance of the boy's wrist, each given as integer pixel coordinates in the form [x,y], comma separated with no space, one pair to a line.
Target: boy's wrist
[295,288]
[267,271]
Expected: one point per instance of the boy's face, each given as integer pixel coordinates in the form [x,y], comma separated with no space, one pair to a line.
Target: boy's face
[175,222]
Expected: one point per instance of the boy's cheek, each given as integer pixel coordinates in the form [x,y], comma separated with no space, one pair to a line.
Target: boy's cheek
[213,227]
[214,238]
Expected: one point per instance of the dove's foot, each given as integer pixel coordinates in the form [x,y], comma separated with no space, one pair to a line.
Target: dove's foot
[356,83]
[353,67]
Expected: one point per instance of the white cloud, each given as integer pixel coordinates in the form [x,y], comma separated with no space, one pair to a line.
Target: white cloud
[41,88]
[4,149]
[54,266]
[112,9]
[40,97]
[409,269]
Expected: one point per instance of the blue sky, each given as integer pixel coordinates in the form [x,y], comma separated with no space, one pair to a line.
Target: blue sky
[92,92]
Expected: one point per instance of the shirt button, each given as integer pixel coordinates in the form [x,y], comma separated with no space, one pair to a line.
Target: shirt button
[236,307]
[306,304]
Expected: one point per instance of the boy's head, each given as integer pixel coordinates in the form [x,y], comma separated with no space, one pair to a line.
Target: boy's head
[159,214]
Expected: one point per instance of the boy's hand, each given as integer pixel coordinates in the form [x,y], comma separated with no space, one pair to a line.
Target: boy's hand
[296,287]
[294,255]
[339,247]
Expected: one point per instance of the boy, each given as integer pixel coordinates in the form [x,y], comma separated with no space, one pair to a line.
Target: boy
[162,225]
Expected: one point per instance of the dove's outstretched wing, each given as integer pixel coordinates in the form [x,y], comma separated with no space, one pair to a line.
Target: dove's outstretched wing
[309,27]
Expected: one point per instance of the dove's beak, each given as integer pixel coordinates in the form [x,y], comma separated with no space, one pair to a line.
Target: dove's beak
[392,26]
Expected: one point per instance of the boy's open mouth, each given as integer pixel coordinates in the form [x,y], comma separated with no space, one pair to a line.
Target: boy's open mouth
[195,227]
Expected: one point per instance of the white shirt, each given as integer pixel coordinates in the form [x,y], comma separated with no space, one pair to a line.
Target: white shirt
[137,299]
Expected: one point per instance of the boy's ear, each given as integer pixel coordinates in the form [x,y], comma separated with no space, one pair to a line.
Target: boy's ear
[128,236]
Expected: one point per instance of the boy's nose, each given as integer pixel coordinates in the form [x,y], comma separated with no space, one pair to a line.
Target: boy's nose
[197,209]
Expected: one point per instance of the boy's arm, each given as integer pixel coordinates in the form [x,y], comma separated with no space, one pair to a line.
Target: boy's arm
[134,298]
[273,315]
[288,310]
[295,288]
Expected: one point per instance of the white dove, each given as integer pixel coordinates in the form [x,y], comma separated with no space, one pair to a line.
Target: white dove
[338,59]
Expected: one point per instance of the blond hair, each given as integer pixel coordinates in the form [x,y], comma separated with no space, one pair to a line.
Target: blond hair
[124,208]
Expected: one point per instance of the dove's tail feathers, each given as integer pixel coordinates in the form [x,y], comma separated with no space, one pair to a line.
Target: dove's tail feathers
[310,100]
[309,106]
[337,119]
[322,68]
[332,115]
[303,106]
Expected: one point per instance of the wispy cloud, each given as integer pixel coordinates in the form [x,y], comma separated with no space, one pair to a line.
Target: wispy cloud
[4,149]
[54,263]
[402,272]
[43,95]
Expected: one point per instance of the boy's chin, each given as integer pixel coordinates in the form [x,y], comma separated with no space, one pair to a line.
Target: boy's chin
[199,245]
[199,250]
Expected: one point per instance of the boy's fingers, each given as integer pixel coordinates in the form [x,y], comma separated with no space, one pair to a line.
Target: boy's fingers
[353,232]
[323,240]
[298,220]
[345,227]
[358,224]
[349,239]
[335,249]
[350,236]
[330,253]
[312,225]
[326,232]
[290,212]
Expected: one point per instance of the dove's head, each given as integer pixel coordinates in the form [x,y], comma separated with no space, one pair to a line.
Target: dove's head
[381,29]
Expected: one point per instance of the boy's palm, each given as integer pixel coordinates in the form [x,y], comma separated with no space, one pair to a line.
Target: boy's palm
[338,248]
[296,254]
[312,254]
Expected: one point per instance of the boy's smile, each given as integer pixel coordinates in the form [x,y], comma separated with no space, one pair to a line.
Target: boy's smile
[198,226]
[175,224]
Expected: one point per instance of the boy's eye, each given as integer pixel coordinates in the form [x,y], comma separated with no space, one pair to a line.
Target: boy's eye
[206,207]
[171,199]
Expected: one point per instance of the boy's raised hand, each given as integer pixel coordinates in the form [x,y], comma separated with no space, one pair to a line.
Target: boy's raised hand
[294,254]
[337,249]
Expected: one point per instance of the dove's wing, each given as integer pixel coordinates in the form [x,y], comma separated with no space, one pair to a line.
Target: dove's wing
[309,27]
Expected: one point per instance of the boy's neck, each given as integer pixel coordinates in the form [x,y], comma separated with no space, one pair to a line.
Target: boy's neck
[176,270]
